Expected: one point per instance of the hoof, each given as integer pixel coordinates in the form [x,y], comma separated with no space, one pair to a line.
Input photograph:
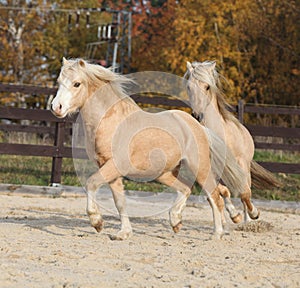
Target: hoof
[177,227]
[237,219]
[253,215]
[121,235]
[99,226]
[216,236]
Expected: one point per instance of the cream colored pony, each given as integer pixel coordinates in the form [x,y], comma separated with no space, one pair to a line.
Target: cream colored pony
[210,108]
[126,141]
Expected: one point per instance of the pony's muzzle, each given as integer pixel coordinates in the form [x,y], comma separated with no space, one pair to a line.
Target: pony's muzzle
[56,109]
[198,116]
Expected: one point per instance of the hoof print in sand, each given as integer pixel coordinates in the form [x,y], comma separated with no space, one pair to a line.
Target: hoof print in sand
[255,226]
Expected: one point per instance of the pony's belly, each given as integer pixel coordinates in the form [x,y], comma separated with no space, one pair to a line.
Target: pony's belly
[149,166]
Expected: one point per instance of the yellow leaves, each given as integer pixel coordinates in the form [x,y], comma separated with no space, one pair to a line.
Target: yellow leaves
[245,37]
[256,43]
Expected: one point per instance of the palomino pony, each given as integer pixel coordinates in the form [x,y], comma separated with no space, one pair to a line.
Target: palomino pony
[210,108]
[126,141]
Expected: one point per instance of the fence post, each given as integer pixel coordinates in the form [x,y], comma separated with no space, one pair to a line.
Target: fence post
[241,107]
[57,159]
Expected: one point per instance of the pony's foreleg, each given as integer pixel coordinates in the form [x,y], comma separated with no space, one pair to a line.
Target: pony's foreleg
[216,196]
[217,216]
[210,187]
[105,174]
[120,202]
[235,216]
[175,213]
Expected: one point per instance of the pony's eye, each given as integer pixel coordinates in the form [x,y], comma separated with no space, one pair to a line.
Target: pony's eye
[76,84]
[207,88]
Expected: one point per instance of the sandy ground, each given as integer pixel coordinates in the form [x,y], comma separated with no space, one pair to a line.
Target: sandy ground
[48,242]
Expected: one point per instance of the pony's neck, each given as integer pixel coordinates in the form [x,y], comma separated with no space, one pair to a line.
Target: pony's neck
[213,110]
[213,119]
[101,101]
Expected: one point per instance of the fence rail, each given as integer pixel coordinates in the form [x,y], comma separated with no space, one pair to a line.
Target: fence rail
[61,127]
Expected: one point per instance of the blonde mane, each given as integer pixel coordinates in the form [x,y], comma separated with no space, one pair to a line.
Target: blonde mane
[94,75]
[202,72]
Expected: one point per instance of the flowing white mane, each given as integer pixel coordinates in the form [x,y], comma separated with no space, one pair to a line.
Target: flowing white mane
[94,75]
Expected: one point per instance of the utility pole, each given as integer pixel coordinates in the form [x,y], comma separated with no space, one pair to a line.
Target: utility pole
[116,35]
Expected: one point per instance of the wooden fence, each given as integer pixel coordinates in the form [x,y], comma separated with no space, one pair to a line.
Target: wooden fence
[61,128]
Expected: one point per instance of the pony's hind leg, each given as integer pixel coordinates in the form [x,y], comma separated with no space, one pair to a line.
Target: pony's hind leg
[184,192]
[120,202]
[250,211]
[235,216]
[105,174]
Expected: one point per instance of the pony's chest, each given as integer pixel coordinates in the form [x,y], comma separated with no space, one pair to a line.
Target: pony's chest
[103,142]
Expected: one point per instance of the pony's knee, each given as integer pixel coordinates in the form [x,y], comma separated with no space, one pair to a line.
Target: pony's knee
[90,185]
[224,191]
[246,195]
[187,192]
[216,199]
[117,185]
[93,183]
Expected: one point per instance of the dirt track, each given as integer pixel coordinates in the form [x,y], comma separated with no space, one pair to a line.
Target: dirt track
[48,242]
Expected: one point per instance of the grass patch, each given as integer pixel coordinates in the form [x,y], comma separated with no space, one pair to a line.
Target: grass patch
[267,156]
[143,186]
[29,170]
[290,190]
[34,170]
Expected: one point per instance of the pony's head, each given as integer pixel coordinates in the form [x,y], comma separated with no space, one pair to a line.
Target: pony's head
[77,80]
[71,89]
[202,83]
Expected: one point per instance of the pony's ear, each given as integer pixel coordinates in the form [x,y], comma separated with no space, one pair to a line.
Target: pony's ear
[64,61]
[81,63]
[189,66]
[213,65]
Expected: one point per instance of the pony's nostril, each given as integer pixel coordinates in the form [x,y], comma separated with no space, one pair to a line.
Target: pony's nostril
[56,108]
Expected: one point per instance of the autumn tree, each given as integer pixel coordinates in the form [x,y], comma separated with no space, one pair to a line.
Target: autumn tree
[19,41]
[34,37]
[256,45]
[152,22]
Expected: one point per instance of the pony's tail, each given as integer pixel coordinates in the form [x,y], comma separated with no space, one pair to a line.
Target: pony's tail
[262,178]
[225,167]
